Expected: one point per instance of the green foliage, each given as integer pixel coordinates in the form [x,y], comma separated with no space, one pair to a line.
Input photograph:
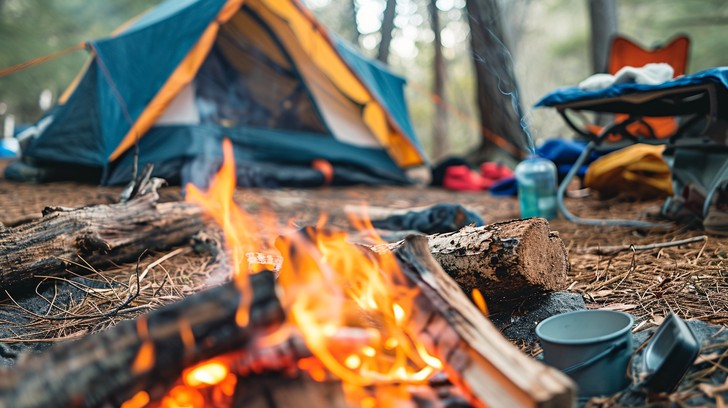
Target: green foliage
[704,21]
[34,28]
[552,51]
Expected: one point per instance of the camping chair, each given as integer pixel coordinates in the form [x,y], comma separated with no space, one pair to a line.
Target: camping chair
[643,113]
[625,52]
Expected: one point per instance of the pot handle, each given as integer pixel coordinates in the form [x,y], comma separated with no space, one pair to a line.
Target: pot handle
[607,352]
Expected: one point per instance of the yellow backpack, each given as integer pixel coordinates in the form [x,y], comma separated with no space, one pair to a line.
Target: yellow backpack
[636,171]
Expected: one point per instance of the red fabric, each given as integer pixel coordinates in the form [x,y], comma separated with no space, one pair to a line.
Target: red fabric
[325,168]
[494,171]
[462,178]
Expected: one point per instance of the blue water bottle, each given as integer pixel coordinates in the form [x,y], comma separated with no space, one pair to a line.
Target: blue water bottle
[536,179]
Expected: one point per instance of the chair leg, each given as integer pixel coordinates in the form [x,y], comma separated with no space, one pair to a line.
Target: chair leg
[561,193]
[718,179]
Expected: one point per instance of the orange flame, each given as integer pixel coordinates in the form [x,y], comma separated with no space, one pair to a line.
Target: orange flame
[139,400]
[144,360]
[211,372]
[183,397]
[352,306]
[238,226]
[332,284]
[479,301]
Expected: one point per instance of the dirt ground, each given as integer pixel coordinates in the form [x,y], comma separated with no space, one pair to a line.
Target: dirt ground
[689,279]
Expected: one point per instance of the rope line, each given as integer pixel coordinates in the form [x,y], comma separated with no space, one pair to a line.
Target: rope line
[40,60]
[497,139]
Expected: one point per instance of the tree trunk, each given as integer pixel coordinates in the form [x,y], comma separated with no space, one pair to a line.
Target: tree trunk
[498,101]
[99,236]
[439,128]
[603,18]
[387,26]
[145,354]
[603,21]
[355,26]
[515,15]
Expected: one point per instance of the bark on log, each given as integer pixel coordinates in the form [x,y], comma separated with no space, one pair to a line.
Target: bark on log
[99,235]
[147,354]
[506,261]
[476,356]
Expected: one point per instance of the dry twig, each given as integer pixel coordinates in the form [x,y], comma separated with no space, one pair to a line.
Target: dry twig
[613,250]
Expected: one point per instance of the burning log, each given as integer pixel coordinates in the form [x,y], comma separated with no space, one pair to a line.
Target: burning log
[99,235]
[275,391]
[504,261]
[148,354]
[478,358]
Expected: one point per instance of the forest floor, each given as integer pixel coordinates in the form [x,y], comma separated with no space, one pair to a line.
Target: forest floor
[690,280]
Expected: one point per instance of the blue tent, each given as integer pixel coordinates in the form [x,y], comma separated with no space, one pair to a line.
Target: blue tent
[175,81]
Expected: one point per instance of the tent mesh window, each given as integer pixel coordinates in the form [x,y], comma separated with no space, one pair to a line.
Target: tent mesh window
[249,80]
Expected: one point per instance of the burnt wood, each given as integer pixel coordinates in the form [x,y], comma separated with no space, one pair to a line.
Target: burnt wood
[99,235]
[148,353]
[274,390]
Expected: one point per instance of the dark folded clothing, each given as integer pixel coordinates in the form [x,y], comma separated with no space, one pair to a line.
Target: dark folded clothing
[436,219]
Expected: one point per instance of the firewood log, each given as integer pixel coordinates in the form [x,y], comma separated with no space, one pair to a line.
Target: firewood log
[99,235]
[505,261]
[145,354]
[278,391]
[476,356]
[150,353]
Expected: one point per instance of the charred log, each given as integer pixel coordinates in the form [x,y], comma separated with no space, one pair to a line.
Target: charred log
[146,354]
[99,235]
[277,391]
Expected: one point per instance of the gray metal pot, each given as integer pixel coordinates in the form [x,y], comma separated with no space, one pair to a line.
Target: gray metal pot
[592,346]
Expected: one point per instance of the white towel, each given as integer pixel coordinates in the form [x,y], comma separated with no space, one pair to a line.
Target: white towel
[650,74]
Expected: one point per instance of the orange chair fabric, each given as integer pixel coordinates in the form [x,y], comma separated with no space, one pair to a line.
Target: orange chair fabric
[625,52]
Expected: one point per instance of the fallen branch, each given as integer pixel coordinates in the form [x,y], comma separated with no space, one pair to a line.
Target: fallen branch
[145,354]
[613,250]
[99,235]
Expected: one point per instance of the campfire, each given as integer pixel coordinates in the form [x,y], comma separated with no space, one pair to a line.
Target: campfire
[350,307]
[307,318]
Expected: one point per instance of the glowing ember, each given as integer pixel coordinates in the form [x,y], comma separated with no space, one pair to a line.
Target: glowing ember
[139,400]
[479,301]
[208,373]
[183,397]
